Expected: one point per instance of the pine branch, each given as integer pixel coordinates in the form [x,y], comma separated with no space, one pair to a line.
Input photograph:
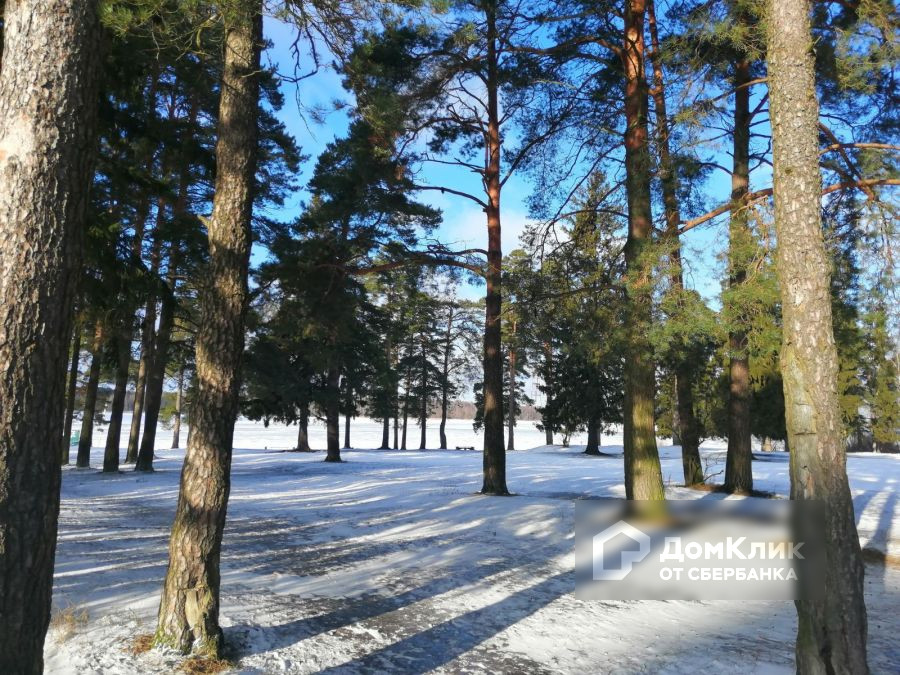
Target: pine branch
[759,195]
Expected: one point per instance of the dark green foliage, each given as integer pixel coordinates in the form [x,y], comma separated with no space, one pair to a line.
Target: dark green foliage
[882,387]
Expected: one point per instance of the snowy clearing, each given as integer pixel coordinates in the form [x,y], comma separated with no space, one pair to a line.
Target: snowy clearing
[390,562]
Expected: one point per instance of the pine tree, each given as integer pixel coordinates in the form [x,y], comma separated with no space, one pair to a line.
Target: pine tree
[643,476]
[576,307]
[189,607]
[483,44]
[48,98]
[832,621]
[882,383]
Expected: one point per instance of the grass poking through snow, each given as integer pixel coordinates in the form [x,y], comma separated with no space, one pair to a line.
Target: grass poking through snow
[66,621]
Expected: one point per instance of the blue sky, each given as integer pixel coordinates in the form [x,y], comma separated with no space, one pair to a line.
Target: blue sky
[464,222]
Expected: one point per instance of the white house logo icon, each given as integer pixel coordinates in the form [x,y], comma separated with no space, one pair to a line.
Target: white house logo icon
[627,559]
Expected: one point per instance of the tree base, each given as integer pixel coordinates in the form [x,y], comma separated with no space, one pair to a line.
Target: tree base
[496,493]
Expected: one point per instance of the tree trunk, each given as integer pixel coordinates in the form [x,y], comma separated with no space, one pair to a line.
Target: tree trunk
[676,419]
[148,330]
[140,385]
[386,422]
[86,438]
[303,429]
[548,371]
[397,427]
[190,427]
[189,607]
[643,475]
[691,465]
[445,377]
[767,444]
[147,323]
[442,429]
[511,412]
[739,460]
[347,431]
[48,101]
[832,624]
[593,438]
[71,388]
[123,361]
[423,404]
[179,402]
[333,415]
[156,374]
[405,417]
[494,463]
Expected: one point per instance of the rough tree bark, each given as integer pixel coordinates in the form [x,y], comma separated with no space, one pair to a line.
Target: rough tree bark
[593,438]
[676,420]
[156,373]
[511,411]
[643,475]
[405,413]
[687,427]
[148,335]
[548,372]
[333,415]
[123,361]
[494,462]
[140,385]
[189,607]
[48,101]
[71,387]
[739,460]
[397,427]
[86,438]
[832,625]
[423,402]
[385,433]
[445,377]
[179,403]
[386,422]
[303,429]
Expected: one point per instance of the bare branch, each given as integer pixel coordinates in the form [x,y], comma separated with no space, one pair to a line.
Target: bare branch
[759,195]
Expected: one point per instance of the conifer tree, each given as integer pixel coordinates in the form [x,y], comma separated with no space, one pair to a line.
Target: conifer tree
[832,619]
[882,383]
[48,101]
[189,608]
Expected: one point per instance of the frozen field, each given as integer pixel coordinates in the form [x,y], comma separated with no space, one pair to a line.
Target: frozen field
[390,563]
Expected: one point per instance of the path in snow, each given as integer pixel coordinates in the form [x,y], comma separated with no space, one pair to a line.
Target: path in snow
[391,562]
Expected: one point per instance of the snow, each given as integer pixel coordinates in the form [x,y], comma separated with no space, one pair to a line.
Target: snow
[391,562]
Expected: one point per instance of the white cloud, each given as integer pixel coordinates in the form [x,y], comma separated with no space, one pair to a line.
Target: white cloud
[465,226]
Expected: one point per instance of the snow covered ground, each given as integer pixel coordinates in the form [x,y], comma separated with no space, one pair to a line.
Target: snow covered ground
[390,562]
